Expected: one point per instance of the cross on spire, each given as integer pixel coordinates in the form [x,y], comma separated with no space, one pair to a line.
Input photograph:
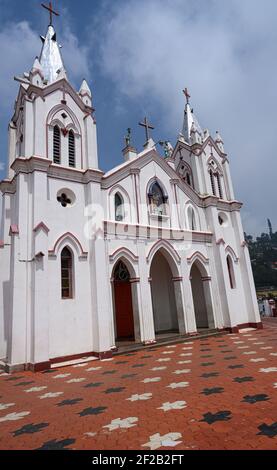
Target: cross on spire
[187,95]
[145,123]
[51,11]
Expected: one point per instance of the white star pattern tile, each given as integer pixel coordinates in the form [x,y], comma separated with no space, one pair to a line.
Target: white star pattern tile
[5,406]
[143,397]
[14,416]
[35,389]
[50,395]
[259,359]
[183,371]
[269,370]
[61,376]
[151,379]
[173,386]
[168,440]
[177,405]
[76,381]
[119,423]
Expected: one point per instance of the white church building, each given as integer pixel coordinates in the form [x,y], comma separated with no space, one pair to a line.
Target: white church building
[91,260]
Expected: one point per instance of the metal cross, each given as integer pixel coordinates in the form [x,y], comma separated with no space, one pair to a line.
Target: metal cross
[187,95]
[147,126]
[51,11]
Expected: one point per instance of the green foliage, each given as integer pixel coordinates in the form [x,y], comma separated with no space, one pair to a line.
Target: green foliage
[263,254]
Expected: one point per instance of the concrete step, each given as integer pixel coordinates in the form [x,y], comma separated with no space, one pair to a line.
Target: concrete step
[167,341]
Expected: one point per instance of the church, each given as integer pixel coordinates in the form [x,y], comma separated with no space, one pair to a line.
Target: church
[91,261]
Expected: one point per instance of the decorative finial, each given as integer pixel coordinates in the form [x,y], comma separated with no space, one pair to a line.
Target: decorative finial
[51,12]
[147,126]
[128,137]
[187,95]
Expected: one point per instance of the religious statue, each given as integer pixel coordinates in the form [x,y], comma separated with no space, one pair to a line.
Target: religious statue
[128,137]
[167,148]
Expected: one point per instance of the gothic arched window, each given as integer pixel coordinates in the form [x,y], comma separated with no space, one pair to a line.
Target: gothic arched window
[121,273]
[118,207]
[231,272]
[157,199]
[217,175]
[67,273]
[57,145]
[212,182]
[71,149]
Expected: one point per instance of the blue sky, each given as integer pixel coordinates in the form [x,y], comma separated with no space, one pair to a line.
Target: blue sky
[137,57]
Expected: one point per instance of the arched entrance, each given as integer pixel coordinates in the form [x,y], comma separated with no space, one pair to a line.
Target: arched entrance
[123,303]
[163,295]
[200,285]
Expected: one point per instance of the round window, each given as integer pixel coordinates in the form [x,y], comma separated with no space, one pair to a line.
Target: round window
[66,197]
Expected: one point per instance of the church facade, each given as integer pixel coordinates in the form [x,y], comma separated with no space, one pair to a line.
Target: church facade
[91,260]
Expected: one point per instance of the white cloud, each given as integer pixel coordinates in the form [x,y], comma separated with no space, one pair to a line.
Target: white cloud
[2,166]
[19,59]
[225,53]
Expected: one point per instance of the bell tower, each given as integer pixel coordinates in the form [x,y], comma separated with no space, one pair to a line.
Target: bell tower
[52,120]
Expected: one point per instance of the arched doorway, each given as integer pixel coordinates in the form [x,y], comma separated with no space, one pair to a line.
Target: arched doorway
[200,285]
[163,296]
[124,318]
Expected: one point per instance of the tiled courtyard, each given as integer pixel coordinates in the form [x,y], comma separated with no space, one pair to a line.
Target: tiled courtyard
[214,393]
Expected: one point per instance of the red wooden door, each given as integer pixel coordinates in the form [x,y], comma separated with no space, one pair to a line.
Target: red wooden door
[124,310]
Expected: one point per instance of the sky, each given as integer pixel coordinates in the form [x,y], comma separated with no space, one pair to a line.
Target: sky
[138,55]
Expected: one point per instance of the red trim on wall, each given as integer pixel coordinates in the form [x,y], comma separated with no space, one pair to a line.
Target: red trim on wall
[14,230]
[42,226]
[68,234]
[123,250]
[40,366]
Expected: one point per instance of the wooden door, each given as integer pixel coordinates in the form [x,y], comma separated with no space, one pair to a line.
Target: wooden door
[124,310]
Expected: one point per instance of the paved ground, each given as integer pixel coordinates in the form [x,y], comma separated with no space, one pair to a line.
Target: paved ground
[217,393]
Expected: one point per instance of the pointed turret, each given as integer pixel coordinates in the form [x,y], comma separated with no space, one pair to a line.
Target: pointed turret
[36,75]
[50,57]
[85,93]
[85,89]
[190,123]
[219,142]
[206,134]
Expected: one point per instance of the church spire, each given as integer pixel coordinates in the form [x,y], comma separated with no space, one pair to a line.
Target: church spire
[50,57]
[190,122]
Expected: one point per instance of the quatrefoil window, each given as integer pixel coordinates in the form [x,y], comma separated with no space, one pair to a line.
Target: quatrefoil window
[64,200]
